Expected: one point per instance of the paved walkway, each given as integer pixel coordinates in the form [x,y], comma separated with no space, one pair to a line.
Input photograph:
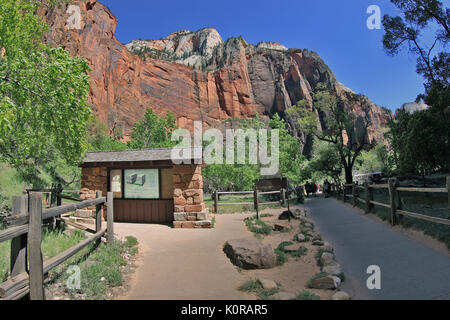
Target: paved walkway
[409,270]
[183,264]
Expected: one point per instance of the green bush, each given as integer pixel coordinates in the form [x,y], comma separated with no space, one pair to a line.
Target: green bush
[306,295]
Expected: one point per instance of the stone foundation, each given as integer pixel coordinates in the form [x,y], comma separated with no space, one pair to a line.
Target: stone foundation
[190,211]
[93,180]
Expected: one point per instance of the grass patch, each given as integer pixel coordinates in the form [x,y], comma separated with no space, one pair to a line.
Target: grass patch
[5,249]
[281,255]
[307,295]
[258,227]
[130,241]
[254,286]
[101,269]
[300,253]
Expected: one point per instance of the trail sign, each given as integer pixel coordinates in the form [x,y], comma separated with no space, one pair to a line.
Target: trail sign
[271,184]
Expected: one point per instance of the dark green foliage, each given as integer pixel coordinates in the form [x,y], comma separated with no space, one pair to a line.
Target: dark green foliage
[153,131]
[421,142]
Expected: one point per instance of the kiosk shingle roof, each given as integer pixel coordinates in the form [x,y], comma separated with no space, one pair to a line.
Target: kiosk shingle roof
[145,155]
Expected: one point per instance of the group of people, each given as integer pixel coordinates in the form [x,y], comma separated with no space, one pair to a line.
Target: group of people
[314,188]
[311,188]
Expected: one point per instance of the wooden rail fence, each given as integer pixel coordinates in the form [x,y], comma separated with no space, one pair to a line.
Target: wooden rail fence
[283,200]
[395,203]
[25,232]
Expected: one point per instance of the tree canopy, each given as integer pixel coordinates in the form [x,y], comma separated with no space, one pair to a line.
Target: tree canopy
[153,131]
[43,94]
[347,131]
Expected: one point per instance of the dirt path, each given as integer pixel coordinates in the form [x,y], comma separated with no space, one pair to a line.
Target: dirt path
[185,264]
[409,269]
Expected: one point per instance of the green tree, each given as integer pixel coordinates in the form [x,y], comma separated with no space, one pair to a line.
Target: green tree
[291,158]
[43,94]
[99,139]
[324,162]
[153,131]
[418,15]
[421,141]
[338,126]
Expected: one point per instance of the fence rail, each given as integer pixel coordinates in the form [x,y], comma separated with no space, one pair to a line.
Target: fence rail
[27,266]
[284,198]
[395,203]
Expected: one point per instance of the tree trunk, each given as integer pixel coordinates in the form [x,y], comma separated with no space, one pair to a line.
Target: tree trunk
[348,175]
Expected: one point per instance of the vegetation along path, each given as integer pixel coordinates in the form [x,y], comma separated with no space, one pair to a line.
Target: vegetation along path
[409,269]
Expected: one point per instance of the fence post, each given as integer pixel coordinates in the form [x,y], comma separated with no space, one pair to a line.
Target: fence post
[399,200]
[58,204]
[448,191]
[19,244]
[354,193]
[98,216]
[255,198]
[216,201]
[36,273]
[343,190]
[283,196]
[110,221]
[369,197]
[392,201]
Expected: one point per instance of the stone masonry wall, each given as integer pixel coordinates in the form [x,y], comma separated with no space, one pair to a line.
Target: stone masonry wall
[93,180]
[190,210]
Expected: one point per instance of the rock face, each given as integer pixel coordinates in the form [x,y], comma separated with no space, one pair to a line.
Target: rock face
[250,254]
[195,75]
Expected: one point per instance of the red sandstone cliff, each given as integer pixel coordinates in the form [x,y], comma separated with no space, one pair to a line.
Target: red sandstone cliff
[197,75]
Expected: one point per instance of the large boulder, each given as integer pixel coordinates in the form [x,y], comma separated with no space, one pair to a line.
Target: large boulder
[250,253]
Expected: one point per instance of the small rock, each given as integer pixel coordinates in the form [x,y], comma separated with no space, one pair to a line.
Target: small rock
[341,295]
[268,284]
[308,225]
[283,295]
[317,237]
[327,282]
[292,248]
[318,243]
[300,213]
[301,238]
[327,247]
[334,268]
[326,259]
[280,227]
[102,279]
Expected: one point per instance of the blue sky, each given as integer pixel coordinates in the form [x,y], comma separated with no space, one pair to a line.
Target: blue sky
[336,30]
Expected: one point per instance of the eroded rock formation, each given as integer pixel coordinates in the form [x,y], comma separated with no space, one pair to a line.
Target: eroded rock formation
[196,75]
